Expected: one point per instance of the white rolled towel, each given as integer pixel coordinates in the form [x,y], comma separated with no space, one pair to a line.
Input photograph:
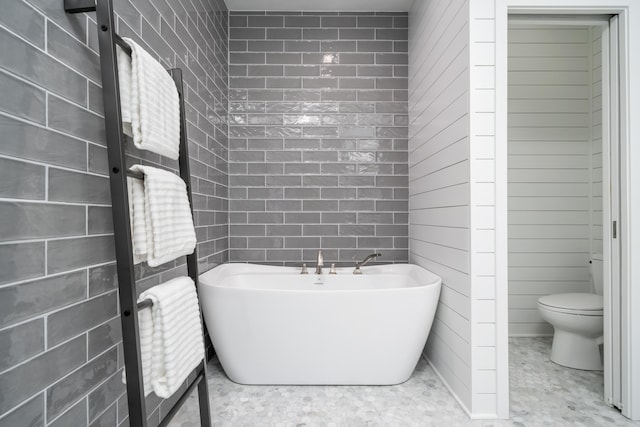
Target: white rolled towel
[177,346]
[149,101]
[161,219]
[171,341]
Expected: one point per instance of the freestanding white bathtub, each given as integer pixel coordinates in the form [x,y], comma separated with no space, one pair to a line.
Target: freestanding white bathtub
[272,325]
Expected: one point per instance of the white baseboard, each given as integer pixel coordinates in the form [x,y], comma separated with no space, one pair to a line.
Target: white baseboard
[466,410]
[451,392]
[485,417]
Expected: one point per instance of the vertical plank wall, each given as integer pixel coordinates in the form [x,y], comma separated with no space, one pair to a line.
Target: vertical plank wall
[596,141]
[439,177]
[550,177]
[488,323]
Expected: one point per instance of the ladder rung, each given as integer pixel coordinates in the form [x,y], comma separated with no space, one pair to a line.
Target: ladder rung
[120,42]
[134,174]
[144,304]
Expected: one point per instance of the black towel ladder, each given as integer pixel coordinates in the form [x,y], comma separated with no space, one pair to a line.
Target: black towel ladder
[108,39]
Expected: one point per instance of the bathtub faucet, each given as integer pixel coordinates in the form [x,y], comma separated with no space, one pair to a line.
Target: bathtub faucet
[319,263]
[366,260]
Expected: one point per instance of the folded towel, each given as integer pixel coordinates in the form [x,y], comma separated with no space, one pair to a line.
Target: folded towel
[124,81]
[176,344]
[161,219]
[171,343]
[149,101]
[137,219]
[145,331]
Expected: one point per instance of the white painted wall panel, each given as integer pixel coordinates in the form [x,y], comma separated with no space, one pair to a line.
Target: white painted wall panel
[432,177]
[457,238]
[439,178]
[455,132]
[482,129]
[596,141]
[550,174]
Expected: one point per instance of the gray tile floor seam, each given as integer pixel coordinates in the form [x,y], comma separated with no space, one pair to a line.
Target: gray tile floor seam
[542,394]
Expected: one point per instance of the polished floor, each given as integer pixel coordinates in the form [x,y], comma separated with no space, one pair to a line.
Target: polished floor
[542,394]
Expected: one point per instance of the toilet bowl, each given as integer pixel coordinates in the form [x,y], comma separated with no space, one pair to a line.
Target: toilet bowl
[577,320]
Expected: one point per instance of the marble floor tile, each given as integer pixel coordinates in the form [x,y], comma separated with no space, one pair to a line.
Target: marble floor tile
[542,394]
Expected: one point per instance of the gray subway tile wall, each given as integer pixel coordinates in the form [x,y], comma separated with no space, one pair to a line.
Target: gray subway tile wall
[60,337]
[74,416]
[316,157]
[318,136]
[21,342]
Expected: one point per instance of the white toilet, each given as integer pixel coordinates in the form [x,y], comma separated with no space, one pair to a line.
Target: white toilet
[577,320]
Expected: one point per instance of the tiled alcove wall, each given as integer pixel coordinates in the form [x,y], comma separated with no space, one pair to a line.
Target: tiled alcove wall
[60,340]
[318,136]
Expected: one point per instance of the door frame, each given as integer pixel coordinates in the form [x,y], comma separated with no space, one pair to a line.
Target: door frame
[610,182]
[629,106]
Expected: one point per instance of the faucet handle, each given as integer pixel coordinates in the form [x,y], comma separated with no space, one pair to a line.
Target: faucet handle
[332,270]
[304,269]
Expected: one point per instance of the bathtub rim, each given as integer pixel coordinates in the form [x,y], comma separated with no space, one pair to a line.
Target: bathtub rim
[209,278]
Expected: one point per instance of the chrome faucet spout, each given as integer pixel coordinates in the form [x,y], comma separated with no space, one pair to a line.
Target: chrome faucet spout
[319,263]
[366,260]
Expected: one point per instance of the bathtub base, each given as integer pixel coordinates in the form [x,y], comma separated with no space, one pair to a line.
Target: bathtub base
[372,381]
[364,367]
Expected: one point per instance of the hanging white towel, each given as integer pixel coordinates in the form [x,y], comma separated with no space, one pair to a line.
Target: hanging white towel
[177,346]
[137,219]
[149,101]
[162,223]
[124,82]
[171,343]
[145,331]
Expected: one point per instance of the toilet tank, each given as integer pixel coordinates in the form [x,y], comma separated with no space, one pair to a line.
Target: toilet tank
[597,271]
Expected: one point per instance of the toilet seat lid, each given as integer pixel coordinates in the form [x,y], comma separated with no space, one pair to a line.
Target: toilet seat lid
[590,303]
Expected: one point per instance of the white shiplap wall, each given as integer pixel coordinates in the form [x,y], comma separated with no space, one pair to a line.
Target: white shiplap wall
[439,178]
[550,157]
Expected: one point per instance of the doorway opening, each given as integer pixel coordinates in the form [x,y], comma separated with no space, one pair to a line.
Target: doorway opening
[563,199]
